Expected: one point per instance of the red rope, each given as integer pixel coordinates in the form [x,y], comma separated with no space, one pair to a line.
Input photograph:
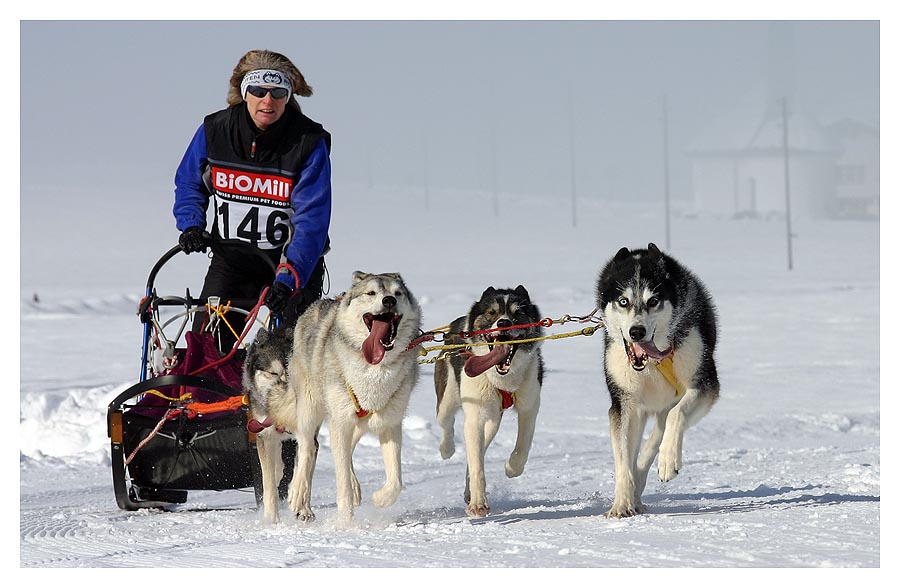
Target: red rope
[547,322]
[294,273]
[420,339]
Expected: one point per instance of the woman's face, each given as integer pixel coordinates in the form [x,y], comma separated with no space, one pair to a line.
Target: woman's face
[265,111]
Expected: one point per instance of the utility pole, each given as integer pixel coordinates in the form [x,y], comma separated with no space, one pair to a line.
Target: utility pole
[665,107]
[369,149]
[787,182]
[494,188]
[425,177]
[572,157]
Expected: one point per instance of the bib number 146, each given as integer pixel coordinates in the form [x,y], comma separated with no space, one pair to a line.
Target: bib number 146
[244,222]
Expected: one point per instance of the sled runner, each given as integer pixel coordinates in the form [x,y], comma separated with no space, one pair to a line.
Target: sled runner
[183,426]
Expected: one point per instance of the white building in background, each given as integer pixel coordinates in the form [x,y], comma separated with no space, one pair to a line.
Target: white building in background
[738,160]
[738,166]
[857,171]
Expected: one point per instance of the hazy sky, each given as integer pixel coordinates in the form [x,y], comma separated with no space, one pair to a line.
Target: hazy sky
[107,109]
[473,102]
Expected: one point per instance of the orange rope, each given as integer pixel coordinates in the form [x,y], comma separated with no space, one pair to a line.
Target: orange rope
[195,409]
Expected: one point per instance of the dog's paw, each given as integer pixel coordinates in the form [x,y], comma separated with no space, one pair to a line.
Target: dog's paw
[669,463]
[622,509]
[306,515]
[448,448]
[478,510]
[514,467]
[386,496]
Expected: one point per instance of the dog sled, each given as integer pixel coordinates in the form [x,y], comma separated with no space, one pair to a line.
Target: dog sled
[183,426]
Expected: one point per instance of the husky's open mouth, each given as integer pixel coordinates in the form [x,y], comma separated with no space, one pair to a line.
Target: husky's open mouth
[639,353]
[382,334]
[500,355]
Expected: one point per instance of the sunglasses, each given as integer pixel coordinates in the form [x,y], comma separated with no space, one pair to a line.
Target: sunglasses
[260,92]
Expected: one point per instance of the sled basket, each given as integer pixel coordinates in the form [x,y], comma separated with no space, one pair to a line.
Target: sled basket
[183,427]
[189,454]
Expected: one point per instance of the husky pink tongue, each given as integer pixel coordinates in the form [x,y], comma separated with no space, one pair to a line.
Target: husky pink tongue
[254,426]
[372,348]
[478,364]
[651,350]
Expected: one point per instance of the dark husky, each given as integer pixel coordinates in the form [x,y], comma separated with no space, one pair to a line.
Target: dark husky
[656,314]
[273,410]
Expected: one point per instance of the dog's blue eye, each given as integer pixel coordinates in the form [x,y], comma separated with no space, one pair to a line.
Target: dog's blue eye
[623,302]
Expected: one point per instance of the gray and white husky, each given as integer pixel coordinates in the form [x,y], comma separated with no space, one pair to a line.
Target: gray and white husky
[350,364]
[273,407]
[657,314]
[492,379]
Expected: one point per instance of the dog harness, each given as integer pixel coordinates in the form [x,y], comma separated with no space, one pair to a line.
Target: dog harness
[361,413]
[667,369]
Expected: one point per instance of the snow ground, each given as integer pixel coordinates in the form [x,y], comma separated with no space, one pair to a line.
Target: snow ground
[783,473]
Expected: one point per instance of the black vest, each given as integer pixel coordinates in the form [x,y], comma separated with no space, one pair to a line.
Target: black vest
[250,173]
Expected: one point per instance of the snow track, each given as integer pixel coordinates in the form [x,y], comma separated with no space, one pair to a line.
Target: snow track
[783,472]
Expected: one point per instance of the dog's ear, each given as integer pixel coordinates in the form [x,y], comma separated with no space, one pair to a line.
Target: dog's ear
[489,292]
[394,276]
[262,336]
[359,276]
[654,250]
[622,254]
[521,291]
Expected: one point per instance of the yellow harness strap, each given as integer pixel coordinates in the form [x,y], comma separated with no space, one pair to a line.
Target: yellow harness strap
[361,413]
[666,368]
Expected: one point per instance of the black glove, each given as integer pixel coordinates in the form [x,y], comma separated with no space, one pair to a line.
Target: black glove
[193,239]
[277,297]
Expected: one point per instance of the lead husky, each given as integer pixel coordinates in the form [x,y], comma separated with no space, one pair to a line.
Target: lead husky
[655,312]
[494,378]
[350,365]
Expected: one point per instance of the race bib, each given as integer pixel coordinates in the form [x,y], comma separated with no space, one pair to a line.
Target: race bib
[252,207]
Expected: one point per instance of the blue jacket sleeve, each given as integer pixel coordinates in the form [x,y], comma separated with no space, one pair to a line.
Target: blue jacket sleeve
[311,200]
[191,195]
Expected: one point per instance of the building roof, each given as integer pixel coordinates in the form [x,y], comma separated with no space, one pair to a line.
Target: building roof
[848,127]
[754,126]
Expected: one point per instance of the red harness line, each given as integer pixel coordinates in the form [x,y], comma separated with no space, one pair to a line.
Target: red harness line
[429,336]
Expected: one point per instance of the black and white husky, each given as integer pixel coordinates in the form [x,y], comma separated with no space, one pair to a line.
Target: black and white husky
[494,378]
[657,315]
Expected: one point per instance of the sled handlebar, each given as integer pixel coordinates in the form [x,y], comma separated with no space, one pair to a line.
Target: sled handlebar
[218,246]
[193,302]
